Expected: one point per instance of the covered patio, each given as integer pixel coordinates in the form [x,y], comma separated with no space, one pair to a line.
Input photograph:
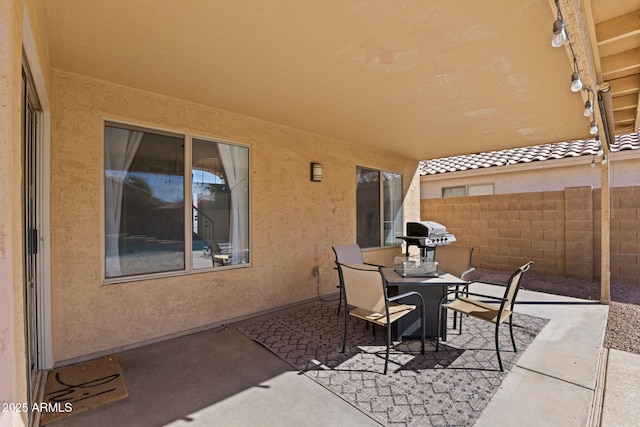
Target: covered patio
[221,377]
[249,97]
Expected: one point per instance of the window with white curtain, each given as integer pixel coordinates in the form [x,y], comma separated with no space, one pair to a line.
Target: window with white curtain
[379,207]
[158,222]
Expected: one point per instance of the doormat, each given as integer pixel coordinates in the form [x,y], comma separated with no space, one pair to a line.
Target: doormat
[81,387]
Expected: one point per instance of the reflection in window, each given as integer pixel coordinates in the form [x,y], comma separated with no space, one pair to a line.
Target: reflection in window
[454,191]
[144,202]
[145,207]
[374,186]
[392,191]
[220,198]
[368,207]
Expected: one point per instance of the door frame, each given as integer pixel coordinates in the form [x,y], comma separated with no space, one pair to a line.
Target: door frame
[43,316]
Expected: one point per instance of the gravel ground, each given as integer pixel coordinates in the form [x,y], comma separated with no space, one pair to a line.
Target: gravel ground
[623,323]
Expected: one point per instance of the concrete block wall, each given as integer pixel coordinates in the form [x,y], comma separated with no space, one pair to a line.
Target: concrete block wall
[559,230]
[579,233]
[506,230]
[625,235]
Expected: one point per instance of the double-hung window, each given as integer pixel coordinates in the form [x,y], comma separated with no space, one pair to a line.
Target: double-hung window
[379,207]
[173,203]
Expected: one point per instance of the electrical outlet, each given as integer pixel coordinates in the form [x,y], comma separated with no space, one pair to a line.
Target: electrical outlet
[317,271]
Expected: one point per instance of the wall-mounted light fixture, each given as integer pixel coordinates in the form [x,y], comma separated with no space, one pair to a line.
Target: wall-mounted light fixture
[316,172]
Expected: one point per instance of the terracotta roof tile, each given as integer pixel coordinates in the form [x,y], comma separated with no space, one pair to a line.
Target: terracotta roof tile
[584,147]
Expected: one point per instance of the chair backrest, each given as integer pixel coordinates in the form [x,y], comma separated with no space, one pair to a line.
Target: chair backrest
[514,284]
[363,286]
[453,259]
[351,254]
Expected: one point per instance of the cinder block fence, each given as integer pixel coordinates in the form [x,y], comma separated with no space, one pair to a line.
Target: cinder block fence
[559,230]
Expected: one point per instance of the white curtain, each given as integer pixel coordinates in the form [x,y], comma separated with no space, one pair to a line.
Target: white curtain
[120,148]
[393,194]
[235,161]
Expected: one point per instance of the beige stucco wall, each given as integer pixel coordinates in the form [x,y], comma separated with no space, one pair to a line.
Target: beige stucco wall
[552,175]
[294,221]
[12,348]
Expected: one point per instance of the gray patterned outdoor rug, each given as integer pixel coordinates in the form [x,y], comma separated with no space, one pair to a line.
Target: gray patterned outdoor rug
[451,387]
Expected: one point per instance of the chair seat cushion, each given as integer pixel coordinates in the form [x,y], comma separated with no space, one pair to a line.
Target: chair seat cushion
[477,309]
[396,311]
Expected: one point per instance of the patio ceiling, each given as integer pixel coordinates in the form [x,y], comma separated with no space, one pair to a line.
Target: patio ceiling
[617,34]
[422,79]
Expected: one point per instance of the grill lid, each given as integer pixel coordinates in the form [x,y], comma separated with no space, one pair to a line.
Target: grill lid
[427,234]
[426,229]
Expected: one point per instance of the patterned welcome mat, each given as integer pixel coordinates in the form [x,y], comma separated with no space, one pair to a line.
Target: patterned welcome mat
[450,387]
[78,388]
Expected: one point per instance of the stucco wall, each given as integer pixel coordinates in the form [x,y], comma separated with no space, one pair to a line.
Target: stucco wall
[294,221]
[12,347]
[551,175]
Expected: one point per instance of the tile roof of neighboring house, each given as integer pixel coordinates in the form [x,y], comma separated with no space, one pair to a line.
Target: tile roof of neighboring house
[524,155]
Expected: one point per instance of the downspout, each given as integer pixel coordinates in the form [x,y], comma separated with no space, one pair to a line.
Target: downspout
[606,115]
[605,236]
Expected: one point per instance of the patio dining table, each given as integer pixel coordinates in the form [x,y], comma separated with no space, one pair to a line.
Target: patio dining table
[432,290]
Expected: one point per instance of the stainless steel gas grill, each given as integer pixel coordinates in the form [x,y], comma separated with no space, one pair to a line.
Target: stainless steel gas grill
[426,235]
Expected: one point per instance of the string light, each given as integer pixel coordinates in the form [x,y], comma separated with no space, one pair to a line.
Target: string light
[559,32]
[560,38]
[576,82]
[588,108]
[600,150]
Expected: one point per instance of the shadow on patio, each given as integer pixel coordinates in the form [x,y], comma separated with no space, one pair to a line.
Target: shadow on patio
[221,377]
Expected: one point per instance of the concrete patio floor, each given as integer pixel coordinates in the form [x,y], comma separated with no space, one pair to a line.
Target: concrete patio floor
[219,377]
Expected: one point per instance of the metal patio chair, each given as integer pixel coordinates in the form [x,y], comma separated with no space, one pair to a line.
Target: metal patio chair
[366,298]
[497,312]
[455,260]
[351,254]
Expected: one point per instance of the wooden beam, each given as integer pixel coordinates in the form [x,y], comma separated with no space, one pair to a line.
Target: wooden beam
[624,116]
[625,102]
[618,28]
[636,126]
[625,129]
[625,85]
[621,63]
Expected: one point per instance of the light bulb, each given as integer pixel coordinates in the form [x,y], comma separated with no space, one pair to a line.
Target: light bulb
[600,151]
[593,163]
[604,160]
[559,34]
[588,108]
[594,128]
[576,83]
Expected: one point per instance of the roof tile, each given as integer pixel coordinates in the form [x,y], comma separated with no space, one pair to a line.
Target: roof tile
[544,152]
